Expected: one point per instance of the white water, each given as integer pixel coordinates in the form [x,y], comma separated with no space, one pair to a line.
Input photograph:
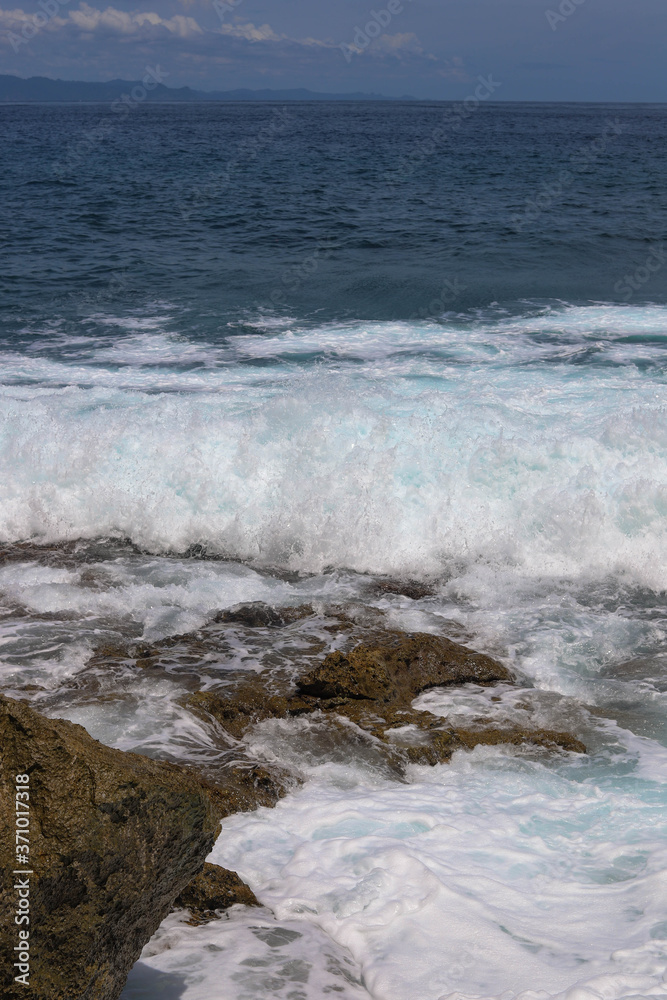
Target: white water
[498,874]
[537,447]
[522,463]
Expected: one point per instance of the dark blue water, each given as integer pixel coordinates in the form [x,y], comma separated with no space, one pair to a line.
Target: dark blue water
[328,211]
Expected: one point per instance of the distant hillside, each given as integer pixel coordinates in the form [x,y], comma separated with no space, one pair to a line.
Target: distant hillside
[40,89]
[290,95]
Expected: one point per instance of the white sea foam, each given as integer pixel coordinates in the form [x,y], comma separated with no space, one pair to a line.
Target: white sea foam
[163,596]
[249,958]
[494,876]
[410,465]
[522,462]
[621,333]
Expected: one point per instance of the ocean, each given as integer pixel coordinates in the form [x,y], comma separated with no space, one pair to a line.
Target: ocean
[288,353]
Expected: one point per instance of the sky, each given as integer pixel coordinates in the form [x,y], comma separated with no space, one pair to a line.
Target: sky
[560,50]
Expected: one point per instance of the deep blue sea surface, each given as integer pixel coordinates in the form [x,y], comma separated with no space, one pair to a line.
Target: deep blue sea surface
[212,208]
[271,353]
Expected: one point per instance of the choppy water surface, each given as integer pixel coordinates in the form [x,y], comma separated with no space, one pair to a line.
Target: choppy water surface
[178,443]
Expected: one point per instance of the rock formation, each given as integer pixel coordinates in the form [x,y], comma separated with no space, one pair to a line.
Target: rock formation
[213,890]
[116,839]
[113,838]
[373,686]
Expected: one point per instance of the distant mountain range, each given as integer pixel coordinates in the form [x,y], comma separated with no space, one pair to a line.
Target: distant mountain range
[40,89]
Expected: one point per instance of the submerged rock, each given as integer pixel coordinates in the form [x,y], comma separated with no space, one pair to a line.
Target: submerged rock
[414,589]
[116,838]
[113,839]
[215,889]
[244,785]
[373,686]
[257,614]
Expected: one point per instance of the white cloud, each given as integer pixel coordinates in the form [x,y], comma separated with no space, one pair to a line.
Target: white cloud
[454,69]
[265,33]
[398,44]
[109,22]
[16,18]
[122,23]
[250,33]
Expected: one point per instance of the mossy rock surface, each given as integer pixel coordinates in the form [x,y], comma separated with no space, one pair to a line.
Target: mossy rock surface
[399,667]
[213,891]
[114,838]
[373,685]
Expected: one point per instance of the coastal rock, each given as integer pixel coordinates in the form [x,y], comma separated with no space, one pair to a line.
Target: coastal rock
[114,838]
[373,686]
[413,589]
[257,614]
[244,785]
[399,668]
[215,889]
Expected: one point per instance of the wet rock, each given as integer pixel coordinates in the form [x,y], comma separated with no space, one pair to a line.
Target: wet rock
[245,785]
[214,890]
[373,686]
[259,615]
[399,668]
[403,588]
[67,555]
[114,838]
[263,630]
[547,738]
[237,708]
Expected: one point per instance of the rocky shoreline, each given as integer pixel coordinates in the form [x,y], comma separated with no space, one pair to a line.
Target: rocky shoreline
[118,839]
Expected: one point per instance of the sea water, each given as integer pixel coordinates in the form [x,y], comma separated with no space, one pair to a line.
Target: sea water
[274,372]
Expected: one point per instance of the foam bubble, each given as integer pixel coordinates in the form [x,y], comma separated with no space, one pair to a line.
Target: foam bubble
[408,465]
[495,873]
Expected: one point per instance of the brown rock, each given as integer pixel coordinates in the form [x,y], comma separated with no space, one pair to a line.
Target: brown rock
[399,668]
[213,890]
[257,614]
[245,785]
[114,837]
[374,686]
[403,588]
[547,738]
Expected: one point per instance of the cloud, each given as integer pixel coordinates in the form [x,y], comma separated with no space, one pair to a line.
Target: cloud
[92,21]
[250,33]
[13,19]
[454,69]
[399,45]
[120,22]
[199,51]
[265,33]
